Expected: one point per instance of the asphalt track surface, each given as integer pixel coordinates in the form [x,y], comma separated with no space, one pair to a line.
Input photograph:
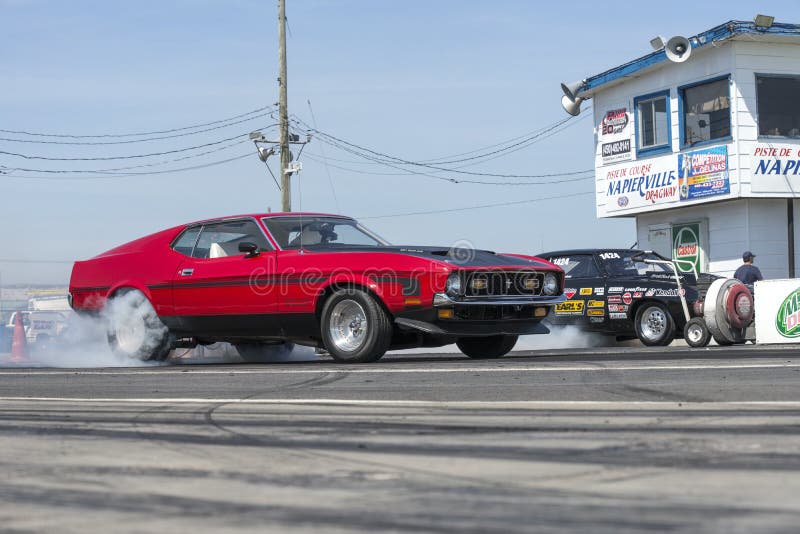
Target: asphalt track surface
[608,440]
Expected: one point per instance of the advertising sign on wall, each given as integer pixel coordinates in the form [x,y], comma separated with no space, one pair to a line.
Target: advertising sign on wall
[686,246]
[614,135]
[639,185]
[703,173]
[775,168]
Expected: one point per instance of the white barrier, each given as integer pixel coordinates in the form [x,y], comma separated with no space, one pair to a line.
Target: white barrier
[778,311]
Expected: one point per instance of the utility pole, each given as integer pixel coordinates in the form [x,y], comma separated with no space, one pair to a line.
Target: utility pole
[286,191]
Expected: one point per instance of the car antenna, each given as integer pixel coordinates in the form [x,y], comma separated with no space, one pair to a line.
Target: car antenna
[634,245]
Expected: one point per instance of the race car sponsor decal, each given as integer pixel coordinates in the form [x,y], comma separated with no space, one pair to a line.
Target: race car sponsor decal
[650,293]
[618,315]
[596,312]
[636,289]
[596,319]
[586,291]
[599,291]
[787,320]
[637,295]
[617,308]
[569,292]
[609,256]
[560,261]
[571,307]
[596,304]
[626,298]
[614,299]
[615,289]
[666,292]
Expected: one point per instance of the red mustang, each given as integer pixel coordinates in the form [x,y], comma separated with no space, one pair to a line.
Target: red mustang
[319,280]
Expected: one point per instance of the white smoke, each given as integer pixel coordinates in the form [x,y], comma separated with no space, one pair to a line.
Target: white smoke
[84,342]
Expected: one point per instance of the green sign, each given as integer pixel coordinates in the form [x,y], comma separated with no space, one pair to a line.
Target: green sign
[686,246]
[788,319]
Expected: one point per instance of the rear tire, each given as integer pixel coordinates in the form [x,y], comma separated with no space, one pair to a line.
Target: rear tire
[654,325]
[696,333]
[134,329]
[355,328]
[486,348]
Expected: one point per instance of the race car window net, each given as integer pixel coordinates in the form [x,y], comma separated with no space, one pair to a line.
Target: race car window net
[577,266]
[320,232]
[619,264]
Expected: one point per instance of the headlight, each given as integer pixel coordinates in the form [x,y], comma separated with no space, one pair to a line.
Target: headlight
[453,287]
[550,286]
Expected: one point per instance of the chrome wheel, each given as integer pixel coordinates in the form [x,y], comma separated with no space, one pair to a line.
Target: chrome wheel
[694,333]
[348,325]
[654,323]
[131,332]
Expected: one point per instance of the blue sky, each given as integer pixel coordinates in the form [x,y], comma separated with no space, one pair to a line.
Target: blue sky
[417,79]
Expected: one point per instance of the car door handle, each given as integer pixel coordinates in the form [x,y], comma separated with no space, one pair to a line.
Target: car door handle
[187,272]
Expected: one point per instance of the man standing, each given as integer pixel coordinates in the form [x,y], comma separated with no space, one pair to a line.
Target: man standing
[748,273]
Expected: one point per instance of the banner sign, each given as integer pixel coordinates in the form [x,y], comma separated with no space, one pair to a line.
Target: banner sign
[614,135]
[639,185]
[775,168]
[703,173]
[777,305]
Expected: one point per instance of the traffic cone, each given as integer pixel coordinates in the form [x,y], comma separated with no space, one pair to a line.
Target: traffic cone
[19,347]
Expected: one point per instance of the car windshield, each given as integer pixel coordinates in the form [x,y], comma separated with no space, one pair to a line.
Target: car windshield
[311,232]
[631,263]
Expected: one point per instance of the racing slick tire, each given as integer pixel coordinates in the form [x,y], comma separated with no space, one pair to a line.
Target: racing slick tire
[134,329]
[355,328]
[696,332]
[485,348]
[654,325]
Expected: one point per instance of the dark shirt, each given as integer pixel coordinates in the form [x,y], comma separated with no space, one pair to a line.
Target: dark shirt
[748,274]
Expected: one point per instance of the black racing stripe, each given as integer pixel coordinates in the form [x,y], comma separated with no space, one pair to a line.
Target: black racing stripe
[410,285]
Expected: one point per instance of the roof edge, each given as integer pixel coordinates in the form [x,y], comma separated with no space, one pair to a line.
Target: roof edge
[716,34]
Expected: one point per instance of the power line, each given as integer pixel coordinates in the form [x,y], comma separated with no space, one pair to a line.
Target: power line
[386,159]
[134,156]
[111,175]
[480,206]
[324,159]
[138,134]
[129,141]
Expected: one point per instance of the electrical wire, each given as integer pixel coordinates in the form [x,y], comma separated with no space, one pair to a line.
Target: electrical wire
[480,206]
[111,175]
[388,160]
[129,141]
[325,160]
[134,156]
[138,134]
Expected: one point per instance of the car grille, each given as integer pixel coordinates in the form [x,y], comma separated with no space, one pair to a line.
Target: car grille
[502,283]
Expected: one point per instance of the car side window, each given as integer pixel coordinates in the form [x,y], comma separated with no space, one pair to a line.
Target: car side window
[220,240]
[185,243]
[577,266]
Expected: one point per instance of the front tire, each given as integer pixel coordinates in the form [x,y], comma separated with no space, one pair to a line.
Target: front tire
[134,329]
[696,332]
[485,348]
[654,325]
[355,328]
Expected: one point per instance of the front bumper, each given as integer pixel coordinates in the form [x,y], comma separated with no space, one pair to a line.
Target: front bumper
[480,317]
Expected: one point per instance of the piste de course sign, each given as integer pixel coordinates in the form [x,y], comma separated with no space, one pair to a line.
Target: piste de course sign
[787,321]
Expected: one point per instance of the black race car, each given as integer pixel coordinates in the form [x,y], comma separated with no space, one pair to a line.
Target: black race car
[627,294]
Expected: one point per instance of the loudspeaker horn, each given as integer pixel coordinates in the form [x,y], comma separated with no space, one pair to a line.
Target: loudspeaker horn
[573,107]
[571,89]
[678,49]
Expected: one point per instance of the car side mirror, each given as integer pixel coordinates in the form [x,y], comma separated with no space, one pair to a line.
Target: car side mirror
[250,249]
